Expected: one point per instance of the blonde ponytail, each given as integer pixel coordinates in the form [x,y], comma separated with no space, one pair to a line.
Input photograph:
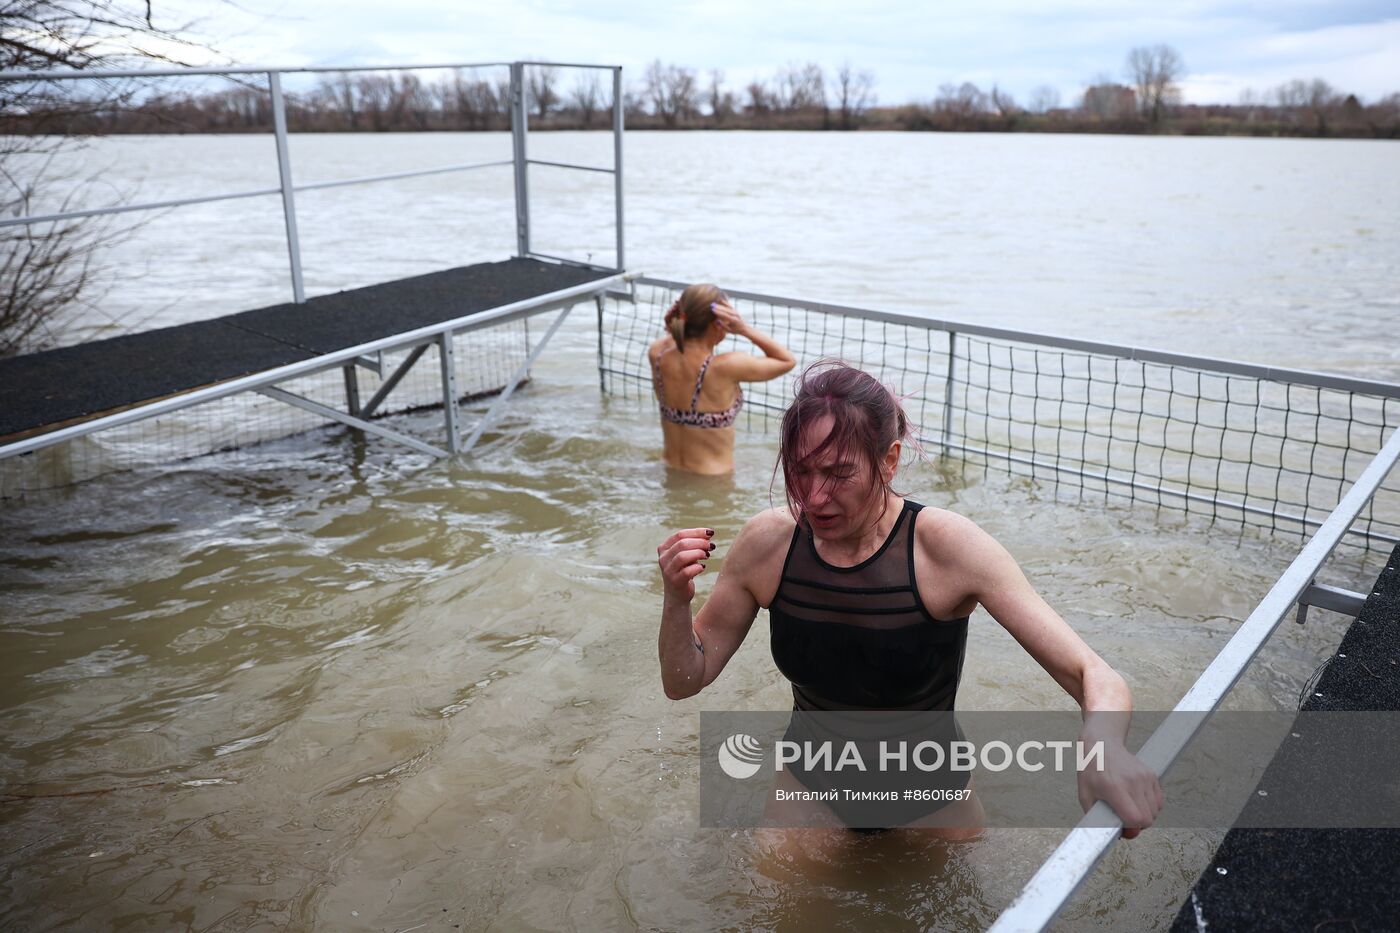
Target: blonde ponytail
[692,313]
[675,324]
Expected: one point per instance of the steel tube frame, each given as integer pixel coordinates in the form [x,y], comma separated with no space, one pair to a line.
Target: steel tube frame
[602,377]
[284,169]
[262,192]
[948,389]
[519,127]
[503,314]
[1140,354]
[582,168]
[352,387]
[394,379]
[566,261]
[570,65]
[1106,477]
[395,176]
[1103,477]
[235,70]
[1060,875]
[1332,598]
[617,166]
[447,363]
[325,411]
[498,406]
[129,208]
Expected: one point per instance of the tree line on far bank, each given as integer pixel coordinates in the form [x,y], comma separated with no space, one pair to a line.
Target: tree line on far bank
[669,96]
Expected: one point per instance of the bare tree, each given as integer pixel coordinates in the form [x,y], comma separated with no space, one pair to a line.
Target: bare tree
[540,82]
[1385,115]
[855,94]
[338,93]
[634,103]
[375,93]
[673,92]
[1154,71]
[411,103]
[1003,103]
[1320,103]
[801,87]
[760,97]
[1313,101]
[722,103]
[585,96]
[1044,99]
[961,101]
[47,268]
[474,102]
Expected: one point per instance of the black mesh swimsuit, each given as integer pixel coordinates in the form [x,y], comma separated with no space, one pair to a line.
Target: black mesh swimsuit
[860,638]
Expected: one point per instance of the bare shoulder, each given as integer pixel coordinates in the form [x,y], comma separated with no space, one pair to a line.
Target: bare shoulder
[766,529]
[951,539]
[756,559]
[657,347]
[725,364]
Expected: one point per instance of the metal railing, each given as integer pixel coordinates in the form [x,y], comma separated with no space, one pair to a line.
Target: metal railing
[1062,873]
[520,127]
[1235,439]
[519,115]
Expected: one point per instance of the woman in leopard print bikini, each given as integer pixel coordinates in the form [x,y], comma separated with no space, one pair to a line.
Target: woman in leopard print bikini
[698,392]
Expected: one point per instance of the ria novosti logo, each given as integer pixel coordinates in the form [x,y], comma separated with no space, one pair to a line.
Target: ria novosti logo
[741,756]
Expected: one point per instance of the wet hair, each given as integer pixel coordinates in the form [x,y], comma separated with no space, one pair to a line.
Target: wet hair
[691,314]
[867,418]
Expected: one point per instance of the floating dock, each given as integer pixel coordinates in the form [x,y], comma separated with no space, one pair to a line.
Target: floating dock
[1316,879]
[54,389]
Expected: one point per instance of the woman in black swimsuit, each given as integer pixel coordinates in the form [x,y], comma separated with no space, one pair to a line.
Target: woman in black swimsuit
[869,594]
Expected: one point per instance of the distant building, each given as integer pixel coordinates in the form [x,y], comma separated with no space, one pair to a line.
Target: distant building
[1110,101]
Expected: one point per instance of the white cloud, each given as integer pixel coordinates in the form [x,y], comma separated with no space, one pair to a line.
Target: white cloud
[912,47]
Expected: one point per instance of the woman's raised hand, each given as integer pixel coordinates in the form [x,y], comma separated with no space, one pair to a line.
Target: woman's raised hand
[728,318]
[682,558]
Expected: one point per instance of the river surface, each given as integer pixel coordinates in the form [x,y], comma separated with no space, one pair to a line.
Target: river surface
[324,683]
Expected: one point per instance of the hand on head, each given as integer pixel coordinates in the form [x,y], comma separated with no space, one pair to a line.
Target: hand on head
[729,319]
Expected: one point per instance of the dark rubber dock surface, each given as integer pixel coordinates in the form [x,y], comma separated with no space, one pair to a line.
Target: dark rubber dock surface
[1328,880]
[56,387]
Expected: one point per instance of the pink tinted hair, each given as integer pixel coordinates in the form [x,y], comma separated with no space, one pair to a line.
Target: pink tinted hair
[867,418]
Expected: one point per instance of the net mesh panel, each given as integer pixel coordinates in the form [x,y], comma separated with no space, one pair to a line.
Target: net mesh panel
[1236,447]
[484,361]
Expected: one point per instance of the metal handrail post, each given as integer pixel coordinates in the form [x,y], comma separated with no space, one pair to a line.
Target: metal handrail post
[948,391]
[519,126]
[284,169]
[602,376]
[617,164]
[447,360]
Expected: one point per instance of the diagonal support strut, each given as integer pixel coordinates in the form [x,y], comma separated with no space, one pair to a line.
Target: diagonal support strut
[378,397]
[498,406]
[316,408]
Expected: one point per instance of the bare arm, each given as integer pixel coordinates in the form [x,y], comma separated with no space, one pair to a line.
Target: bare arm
[1103,696]
[745,367]
[694,650]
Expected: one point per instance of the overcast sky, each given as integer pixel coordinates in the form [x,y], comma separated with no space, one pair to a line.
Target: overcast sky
[911,47]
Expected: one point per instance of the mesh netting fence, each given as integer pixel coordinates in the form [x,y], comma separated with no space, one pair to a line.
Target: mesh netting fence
[484,360]
[1278,451]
